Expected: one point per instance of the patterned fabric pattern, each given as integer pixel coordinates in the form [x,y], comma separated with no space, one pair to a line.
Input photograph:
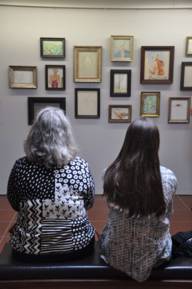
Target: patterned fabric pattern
[56,236]
[26,237]
[51,205]
[135,245]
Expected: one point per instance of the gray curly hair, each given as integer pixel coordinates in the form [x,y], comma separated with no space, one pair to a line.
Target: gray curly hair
[50,141]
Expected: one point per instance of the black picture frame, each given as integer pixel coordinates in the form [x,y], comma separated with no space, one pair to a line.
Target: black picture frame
[87,103]
[186,76]
[120,83]
[35,104]
[51,47]
[55,77]
[157,63]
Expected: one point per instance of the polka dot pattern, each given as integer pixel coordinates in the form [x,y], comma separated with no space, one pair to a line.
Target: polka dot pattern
[78,178]
[33,181]
[82,233]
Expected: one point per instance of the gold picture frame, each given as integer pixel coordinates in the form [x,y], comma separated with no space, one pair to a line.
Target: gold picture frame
[22,77]
[87,64]
[121,48]
[150,104]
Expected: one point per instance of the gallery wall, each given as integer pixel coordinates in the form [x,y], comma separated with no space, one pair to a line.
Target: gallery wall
[99,141]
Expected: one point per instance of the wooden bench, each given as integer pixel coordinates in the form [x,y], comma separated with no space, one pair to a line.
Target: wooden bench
[87,273]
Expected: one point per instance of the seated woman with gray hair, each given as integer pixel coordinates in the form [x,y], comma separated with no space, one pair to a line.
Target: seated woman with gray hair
[51,188]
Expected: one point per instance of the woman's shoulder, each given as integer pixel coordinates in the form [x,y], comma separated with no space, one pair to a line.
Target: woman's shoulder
[79,161]
[77,165]
[168,177]
[20,165]
[26,164]
[166,172]
[21,161]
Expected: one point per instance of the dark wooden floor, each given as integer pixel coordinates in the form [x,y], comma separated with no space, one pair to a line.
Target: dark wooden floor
[181,219]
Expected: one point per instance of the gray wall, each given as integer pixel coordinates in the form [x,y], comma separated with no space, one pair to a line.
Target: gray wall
[99,141]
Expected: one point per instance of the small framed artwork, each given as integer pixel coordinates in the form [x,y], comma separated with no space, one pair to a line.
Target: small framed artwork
[150,104]
[55,77]
[121,48]
[87,103]
[52,47]
[35,104]
[23,77]
[186,76]
[87,63]
[179,110]
[120,83]
[157,64]
[188,47]
[119,113]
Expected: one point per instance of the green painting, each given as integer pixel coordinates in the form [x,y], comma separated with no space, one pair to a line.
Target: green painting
[54,48]
[150,104]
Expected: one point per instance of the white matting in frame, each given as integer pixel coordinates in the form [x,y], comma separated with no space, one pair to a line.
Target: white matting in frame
[179,110]
[87,63]
[87,103]
[22,77]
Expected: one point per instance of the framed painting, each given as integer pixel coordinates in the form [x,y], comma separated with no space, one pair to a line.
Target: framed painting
[119,113]
[120,83]
[186,76]
[35,104]
[179,110]
[121,48]
[87,63]
[87,103]
[23,77]
[52,47]
[150,104]
[188,47]
[157,64]
[55,77]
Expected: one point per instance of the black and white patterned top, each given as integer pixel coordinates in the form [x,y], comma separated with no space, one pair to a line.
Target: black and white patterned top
[135,245]
[52,207]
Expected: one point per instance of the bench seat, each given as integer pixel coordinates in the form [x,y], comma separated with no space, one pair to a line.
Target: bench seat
[89,272]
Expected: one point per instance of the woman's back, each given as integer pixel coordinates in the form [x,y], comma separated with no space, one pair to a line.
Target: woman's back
[51,188]
[52,207]
[135,244]
[139,194]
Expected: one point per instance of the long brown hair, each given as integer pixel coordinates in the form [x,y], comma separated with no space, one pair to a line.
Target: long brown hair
[133,180]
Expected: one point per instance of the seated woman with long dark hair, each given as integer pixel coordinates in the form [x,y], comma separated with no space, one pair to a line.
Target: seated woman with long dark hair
[139,193]
[51,188]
